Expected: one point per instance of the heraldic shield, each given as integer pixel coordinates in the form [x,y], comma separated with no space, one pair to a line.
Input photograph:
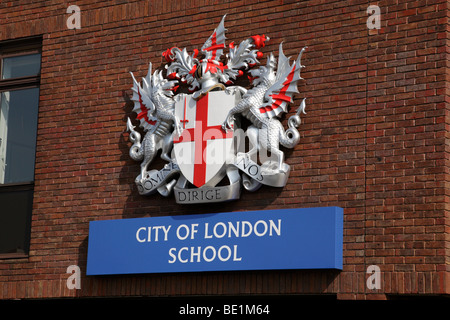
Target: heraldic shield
[203,147]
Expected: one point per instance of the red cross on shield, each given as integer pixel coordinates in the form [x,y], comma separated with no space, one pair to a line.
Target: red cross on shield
[203,147]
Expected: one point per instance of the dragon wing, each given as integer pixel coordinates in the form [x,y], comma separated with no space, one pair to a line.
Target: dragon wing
[279,95]
[213,47]
[143,104]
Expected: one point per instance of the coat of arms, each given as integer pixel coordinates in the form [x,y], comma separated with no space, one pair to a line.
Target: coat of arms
[201,135]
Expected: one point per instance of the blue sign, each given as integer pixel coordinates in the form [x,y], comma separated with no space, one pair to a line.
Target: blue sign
[252,240]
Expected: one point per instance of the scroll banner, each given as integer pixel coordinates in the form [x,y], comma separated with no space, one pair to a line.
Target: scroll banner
[310,238]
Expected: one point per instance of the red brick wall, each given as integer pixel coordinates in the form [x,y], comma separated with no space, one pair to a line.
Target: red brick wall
[373,140]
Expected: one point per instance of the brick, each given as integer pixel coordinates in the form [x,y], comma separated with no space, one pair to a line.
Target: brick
[373,139]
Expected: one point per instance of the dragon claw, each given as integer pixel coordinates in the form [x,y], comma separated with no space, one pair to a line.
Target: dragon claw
[228,123]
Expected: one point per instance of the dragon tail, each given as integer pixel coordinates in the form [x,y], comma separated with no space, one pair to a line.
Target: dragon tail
[291,136]
[136,150]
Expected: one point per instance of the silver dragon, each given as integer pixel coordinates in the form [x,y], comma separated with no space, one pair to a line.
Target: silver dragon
[269,97]
[154,106]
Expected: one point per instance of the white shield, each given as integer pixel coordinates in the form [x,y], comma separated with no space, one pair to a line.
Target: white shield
[203,147]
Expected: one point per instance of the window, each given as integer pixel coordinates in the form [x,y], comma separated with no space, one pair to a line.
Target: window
[20,64]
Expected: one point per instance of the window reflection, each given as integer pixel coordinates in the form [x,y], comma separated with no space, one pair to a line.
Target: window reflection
[21,66]
[18,126]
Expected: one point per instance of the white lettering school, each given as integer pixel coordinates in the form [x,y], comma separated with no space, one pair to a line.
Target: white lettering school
[206,252]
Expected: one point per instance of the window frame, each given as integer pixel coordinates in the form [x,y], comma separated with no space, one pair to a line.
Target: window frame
[21,49]
[15,48]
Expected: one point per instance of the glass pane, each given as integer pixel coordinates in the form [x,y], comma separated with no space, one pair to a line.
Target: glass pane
[15,220]
[18,126]
[21,66]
